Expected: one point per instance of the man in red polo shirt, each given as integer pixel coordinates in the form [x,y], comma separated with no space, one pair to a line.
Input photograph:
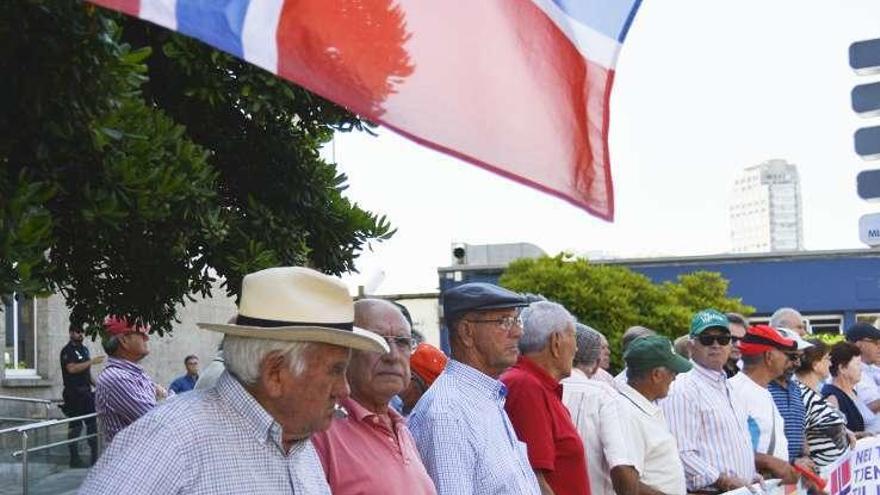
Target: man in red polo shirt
[534,400]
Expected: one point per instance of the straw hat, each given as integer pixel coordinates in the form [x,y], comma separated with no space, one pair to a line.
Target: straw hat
[299,305]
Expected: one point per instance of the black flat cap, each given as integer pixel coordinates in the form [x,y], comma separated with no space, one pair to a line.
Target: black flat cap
[861,331]
[478,296]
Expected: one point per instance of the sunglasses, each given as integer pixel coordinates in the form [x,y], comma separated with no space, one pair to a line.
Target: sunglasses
[708,340]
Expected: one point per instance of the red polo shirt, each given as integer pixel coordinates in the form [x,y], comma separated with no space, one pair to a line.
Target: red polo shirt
[534,404]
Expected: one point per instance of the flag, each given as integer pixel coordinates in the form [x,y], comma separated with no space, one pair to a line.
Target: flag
[518,87]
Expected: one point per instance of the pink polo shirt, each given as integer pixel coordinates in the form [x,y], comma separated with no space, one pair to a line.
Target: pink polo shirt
[361,455]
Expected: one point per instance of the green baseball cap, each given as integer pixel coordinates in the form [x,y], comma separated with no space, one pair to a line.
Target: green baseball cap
[654,351]
[708,318]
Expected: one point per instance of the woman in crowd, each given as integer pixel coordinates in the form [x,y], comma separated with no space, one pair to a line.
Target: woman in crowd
[827,436]
[846,370]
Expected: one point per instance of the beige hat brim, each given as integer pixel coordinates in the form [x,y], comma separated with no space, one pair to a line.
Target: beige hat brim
[358,338]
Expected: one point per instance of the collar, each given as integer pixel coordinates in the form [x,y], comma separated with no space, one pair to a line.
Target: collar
[263,425]
[361,413]
[476,380]
[715,377]
[637,399]
[532,368]
[577,374]
[125,364]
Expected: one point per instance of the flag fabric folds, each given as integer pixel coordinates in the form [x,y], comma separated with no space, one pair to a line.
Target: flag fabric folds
[518,87]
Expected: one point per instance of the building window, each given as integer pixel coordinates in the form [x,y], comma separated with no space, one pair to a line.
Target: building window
[872,318]
[20,345]
[815,324]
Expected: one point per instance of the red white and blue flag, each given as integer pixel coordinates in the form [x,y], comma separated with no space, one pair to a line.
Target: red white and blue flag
[518,87]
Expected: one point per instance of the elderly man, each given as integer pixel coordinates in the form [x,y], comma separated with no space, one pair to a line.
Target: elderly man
[460,426]
[601,374]
[765,356]
[594,411]
[789,318]
[393,465]
[738,326]
[651,366]
[286,358]
[790,402]
[710,429]
[534,399]
[631,334]
[867,338]
[124,391]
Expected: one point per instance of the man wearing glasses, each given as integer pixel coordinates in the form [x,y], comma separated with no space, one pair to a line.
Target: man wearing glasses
[708,422]
[124,391]
[371,450]
[460,426]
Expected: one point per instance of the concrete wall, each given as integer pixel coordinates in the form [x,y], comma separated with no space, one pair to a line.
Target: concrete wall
[164,363]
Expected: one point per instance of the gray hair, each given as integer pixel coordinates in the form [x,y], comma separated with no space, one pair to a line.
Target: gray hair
[632,333]
[589,342]
[541,320]
[782,314]
[110,345]
[243,356]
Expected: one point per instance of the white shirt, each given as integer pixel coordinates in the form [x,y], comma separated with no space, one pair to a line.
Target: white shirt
[650,442]
[868,391]
[596,415]
[764,417]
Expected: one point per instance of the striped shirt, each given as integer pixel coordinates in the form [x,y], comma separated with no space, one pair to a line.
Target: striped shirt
[710,427]
[790,403]
[213,441]
[825,428]
[124,392]
[465,437]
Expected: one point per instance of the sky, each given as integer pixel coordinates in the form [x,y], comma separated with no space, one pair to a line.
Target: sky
[704,88]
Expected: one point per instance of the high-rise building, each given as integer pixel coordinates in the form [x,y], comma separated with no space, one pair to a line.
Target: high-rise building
[765,209]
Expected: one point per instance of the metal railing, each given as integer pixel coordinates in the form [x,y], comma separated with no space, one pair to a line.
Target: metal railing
[26,430]
[45,402]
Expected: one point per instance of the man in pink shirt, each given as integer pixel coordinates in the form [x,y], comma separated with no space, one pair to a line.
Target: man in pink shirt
[372,451]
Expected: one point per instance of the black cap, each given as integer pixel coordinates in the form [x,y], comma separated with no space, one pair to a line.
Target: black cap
[861,331]
[478,296]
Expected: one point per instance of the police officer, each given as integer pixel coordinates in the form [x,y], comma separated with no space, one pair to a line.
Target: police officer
[78,397]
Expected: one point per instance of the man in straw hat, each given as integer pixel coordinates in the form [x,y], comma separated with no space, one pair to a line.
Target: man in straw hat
[286,356]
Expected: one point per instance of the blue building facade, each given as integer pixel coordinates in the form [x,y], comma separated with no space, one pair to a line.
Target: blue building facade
[830,288]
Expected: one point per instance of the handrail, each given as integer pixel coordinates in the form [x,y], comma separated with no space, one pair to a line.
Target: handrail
[26,399]
[18,453]
[46,424]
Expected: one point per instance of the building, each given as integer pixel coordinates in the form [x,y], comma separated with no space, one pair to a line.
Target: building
[832,289]
[765,209]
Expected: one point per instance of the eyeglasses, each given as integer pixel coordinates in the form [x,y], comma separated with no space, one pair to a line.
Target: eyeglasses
[403,344]
[506,323]
[793,356]
[708,340]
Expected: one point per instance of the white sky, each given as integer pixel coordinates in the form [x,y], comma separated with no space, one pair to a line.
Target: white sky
[704,88]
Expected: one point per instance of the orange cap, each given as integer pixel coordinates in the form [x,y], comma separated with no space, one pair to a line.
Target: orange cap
[428,362]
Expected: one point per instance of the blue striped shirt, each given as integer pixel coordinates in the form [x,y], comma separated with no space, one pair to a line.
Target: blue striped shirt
[790,403]
[214,441]
[465,438]
[123,393]
[710,427]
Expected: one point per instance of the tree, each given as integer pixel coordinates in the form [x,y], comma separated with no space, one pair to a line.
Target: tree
[612,298]
[134,178]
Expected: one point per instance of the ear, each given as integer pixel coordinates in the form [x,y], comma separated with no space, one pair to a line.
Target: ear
[465,333]
[271,369]
[555,344]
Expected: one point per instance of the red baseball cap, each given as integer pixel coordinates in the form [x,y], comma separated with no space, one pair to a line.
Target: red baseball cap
[116,325]
[428,362]
[762,338]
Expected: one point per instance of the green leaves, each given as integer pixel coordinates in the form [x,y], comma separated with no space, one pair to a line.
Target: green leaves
[613,298]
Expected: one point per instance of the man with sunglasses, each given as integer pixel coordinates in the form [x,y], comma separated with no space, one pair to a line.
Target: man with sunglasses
[460,426]
[709,424]
[372,450]
[124,391]
[765,356]
[79,400]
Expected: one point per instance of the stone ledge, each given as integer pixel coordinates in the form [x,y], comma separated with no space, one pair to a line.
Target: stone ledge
[25,383]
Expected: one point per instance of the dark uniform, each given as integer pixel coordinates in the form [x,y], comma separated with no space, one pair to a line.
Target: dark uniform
[79,400]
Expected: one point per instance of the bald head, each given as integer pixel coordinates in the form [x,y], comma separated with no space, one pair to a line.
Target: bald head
[789,318]
[371,314]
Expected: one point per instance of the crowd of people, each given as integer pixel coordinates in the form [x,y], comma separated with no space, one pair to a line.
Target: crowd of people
[318,394]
